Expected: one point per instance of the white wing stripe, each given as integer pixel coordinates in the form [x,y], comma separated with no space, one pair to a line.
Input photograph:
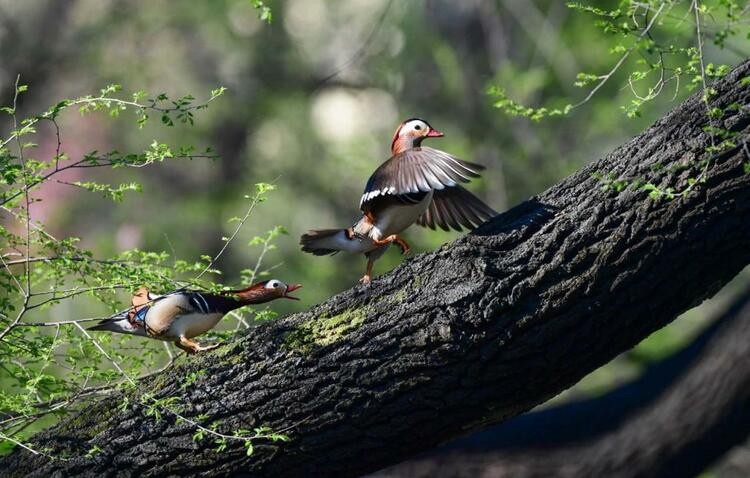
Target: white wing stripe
[204,309]
[420,170]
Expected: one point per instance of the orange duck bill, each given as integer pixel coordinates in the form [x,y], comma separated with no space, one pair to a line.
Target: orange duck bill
[291,288]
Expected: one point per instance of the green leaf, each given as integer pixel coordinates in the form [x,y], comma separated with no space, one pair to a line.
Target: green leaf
[264,12]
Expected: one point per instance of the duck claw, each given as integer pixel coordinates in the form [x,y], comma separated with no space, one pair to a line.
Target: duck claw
[192,347]
[403,245]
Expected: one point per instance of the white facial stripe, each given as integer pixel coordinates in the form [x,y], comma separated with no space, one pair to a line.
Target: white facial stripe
[413,125]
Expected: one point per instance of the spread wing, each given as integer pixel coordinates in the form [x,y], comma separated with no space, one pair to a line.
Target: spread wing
[454,207]
[414,172]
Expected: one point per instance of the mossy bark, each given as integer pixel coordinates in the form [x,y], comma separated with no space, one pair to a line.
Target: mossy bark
[501,320]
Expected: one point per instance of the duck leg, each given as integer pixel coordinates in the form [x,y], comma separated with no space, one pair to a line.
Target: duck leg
[191,346]
[402,244]
[368,274]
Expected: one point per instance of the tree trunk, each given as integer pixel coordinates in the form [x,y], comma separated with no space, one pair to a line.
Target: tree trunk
[682,415]
[457,339]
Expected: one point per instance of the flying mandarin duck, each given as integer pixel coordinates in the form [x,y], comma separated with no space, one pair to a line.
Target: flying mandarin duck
[180,316]
[416,185]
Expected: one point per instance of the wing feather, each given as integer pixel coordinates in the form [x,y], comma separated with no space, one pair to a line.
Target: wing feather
[417,170]
[455,208]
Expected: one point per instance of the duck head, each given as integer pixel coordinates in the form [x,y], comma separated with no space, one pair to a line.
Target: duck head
[411,133]
[266,291]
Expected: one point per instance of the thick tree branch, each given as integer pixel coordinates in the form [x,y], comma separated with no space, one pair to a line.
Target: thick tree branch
[453,340]
[678,418]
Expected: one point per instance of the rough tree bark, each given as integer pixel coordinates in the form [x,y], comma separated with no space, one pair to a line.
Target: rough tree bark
[456,339]
[681,416]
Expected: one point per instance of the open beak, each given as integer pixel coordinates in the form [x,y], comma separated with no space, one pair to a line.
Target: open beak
[291,288]
[435,134]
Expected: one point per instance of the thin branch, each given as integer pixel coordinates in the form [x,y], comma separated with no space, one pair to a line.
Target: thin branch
[10,273]
[166,408]
[108,100]
[705,99]
[622,59]
[27,267]
[73,293]
[81,164]
[360,51]
[55,405]
[253,203]
[28,448]
[58,258]
[68,322]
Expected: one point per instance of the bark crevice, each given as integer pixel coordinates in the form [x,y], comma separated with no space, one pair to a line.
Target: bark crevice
[679,417]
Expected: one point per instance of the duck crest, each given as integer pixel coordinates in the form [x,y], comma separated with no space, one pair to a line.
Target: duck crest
[396,147]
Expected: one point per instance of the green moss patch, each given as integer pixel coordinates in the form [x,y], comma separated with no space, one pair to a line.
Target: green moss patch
[325,330]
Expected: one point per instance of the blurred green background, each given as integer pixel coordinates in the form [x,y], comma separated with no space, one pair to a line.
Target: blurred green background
[313,99]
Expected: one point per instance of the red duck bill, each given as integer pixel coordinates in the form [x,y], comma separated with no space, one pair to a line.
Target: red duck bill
[291,288]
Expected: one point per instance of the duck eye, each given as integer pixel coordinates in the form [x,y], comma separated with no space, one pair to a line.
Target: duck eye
[417,127]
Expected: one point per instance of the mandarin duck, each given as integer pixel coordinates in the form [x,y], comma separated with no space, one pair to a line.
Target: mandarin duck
[182,315]
[416,185]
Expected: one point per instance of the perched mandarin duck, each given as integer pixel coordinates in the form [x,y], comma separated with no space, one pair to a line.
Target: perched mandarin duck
[180,316]
[417,184]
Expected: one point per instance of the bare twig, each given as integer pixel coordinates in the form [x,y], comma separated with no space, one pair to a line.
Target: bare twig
[82,164]
[27,268]
[75,259]
[605,78]
[254,202]
[114,101]
[360,51]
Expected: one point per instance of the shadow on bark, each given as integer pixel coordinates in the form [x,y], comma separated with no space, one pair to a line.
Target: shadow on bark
[678,418]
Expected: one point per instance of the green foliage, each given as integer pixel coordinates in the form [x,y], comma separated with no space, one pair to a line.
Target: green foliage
[114,192]
[264,11]
[662,42]
[513,108]
[652,39]
[48,366]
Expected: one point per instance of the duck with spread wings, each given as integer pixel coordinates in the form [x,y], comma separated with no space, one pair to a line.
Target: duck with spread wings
[417,184]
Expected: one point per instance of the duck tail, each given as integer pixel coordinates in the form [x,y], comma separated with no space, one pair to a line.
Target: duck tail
[322,242]
[118,325]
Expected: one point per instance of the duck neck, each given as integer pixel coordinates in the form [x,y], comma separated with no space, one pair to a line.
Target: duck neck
[404,143]
[254,295]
